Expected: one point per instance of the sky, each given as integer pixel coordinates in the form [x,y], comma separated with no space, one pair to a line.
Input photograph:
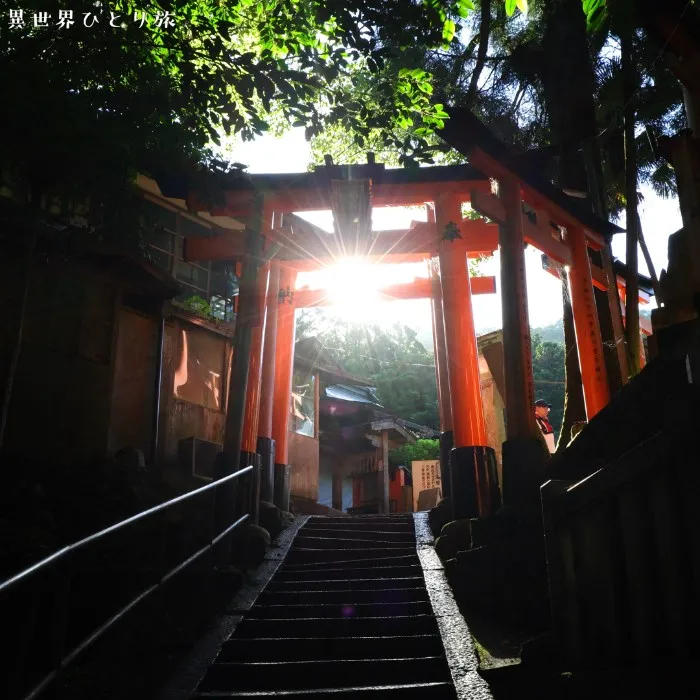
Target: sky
[291,153]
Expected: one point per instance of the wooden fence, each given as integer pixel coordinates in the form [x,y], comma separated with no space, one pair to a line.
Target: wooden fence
[623,554]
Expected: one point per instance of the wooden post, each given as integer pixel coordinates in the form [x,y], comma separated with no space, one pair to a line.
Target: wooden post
[385,469]
[270,349]
[440,351]
[284,363]
[614,303]
[442,378]
[229,459]
[249,442]
[596,391]
[468,422]
[266,445]
[472,463]
[517,349]
[242,338]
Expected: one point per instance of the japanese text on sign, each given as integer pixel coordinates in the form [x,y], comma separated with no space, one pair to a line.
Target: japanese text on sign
[426,476]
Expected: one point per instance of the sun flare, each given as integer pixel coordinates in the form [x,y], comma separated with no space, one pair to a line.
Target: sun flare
[351,284]
[352,288]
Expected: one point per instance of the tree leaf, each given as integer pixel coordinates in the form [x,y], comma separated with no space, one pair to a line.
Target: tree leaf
[448,30]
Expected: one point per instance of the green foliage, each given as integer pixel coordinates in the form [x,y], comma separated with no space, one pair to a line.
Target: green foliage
[92,105]
[475,266]
[596,14]
[196,305]
[401,369]
[419,450]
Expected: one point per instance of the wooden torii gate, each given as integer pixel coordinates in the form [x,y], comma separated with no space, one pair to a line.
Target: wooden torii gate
[273,253]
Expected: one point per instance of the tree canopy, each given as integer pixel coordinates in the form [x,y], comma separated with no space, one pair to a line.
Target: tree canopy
[109,89]
[403,370]
[400,367]
[418,450]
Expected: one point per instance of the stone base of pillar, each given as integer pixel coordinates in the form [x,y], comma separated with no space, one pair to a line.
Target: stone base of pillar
[472,468]
[251,495]
[266,450]
[446,445]
[524,465]
[283,483]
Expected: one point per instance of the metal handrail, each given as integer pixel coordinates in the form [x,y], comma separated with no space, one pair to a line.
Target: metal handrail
[54,559]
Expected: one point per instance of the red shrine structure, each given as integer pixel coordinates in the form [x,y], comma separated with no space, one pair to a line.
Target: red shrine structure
[519,208]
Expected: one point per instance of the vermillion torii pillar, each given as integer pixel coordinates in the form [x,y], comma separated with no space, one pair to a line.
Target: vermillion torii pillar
[266,445]
[441,372]
[472,462]
[442,378]
[282,397]
[229,497]
[249,444]
[596,390]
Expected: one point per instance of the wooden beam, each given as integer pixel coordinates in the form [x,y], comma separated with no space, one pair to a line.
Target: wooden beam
[308,264]
[489,206]
[237,203]
[490,166]
[542,237]
[481,237]
[420,288]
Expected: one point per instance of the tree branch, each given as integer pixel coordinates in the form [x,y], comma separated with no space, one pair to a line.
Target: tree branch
[484,33]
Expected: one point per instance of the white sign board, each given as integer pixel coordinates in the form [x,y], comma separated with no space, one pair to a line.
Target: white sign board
[426,477]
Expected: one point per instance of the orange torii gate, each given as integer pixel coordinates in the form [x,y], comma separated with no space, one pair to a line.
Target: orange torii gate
[273,252]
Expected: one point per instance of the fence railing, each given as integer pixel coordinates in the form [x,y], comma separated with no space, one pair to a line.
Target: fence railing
[57,608]
[623,555]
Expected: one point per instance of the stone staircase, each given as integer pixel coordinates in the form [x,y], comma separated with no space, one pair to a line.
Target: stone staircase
[347,615]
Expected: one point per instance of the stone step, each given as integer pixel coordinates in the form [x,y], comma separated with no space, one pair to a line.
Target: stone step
[405,532]
[316,675]
[345,571]
[401,528]
[358,520]
[404,691]
[374,579]
[351,559]
[321,596]
[332,628]
[335,610]
[302,649]
[308,541]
